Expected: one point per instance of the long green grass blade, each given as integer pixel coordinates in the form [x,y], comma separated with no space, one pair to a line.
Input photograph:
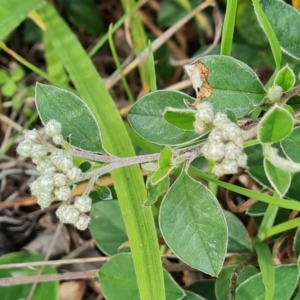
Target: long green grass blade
[265,262]
[13,12]
[139,40]
[128,181]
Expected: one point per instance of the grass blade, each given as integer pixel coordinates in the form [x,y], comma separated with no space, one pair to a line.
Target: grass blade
[128,181]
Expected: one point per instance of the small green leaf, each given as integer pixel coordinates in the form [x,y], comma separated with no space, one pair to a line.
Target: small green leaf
[160,174]
[45,290]
[181,118]
[78,122]
[17,74]
[192,296]
[103,192]
[238,238]
[296,244]
[146,118]
[224,278]
[156,191]
[235,85]
[204,288]
[285,21]
[265,262]
[3,76]
[279,179]
[107,226]
[285,78]
[193,225]
[253,34]
[286,278]
[291,145]
[275,125]
[84,15]
[8,88]
[118,280]
[165,166]
[165,158]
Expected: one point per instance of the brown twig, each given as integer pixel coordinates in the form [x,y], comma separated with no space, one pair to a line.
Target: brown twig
[46,278]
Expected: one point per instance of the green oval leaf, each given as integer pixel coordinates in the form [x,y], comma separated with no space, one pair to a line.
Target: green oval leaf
[279,179]
[193,225]
[286,278]
[78,122]
[253,33]
[275,125]
[204,288]
[238,238]
[192,296]
[291,145]
[154,192]
[181,118]
[146,118]
[224,278]
[285,78]
[13,12]
[118,280]
[107,226]
[45,290]
[296,243]
[235,85]
[84,15]
[285,21]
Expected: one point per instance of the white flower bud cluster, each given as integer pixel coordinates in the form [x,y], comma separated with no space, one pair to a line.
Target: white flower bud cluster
[75,214]
[224,144]
[58,174]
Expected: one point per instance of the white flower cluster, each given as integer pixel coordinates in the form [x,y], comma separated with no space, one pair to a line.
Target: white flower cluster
[224,144]
[58,175]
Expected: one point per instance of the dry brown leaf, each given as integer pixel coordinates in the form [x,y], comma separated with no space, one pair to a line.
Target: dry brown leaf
[72,290]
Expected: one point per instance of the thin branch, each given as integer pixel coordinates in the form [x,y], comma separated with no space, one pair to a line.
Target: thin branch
[289,94]
[56,263]
[46,278]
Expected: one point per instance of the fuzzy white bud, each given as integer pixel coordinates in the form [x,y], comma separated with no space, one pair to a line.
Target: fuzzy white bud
[33,135]
[35,187]
[65,163]
[74,173]
[44,202]
[38,151]
[56,156]
[215,136]
[218,170]
[205,113]
[67,213]
[58,139]
[44,198]
[63,193]
[232,151]
[25,147]
[242,160]
[229,166]
[231,132]
[47,183]
[200,127]
[45,166]
[220,120]
[83,203]
[83,222]
[274,93]
[214,151]
[53,128]
[59,179]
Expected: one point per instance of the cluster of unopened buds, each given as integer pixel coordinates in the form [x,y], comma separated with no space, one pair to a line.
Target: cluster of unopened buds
[224,144]
[58,175]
